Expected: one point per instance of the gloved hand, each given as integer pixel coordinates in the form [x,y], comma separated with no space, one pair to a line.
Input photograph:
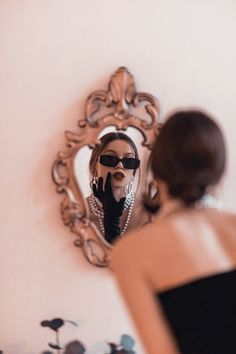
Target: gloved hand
[112,208]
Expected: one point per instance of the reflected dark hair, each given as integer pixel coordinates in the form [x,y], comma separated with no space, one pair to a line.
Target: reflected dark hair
[105,140]
[189,155]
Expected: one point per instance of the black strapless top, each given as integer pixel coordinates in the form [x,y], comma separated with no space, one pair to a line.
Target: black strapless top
[202,314]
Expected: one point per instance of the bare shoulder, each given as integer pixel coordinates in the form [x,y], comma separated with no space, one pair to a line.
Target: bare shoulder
[223,212]
[161,238]
[222,216]
[139,244]
[230,215]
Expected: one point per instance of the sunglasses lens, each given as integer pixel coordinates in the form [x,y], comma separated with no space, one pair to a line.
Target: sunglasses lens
[112,161]
[109,160]
[130,163]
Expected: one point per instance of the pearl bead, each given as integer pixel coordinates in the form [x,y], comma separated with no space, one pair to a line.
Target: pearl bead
[97,210]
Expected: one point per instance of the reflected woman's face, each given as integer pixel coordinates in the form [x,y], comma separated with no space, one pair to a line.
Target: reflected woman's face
[120,176]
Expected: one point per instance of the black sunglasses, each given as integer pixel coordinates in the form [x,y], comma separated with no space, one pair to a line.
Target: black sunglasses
[130,163]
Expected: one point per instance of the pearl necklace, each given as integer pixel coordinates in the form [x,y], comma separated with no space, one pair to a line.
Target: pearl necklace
[96,207]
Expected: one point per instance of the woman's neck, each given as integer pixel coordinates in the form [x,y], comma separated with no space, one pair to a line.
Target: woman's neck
[170,206]
[118,192]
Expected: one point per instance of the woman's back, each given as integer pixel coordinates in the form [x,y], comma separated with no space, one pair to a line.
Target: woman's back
[189,245]
[187,261]
[201,311]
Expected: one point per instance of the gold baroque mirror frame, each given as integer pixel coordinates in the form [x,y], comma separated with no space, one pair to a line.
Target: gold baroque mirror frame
[112,108]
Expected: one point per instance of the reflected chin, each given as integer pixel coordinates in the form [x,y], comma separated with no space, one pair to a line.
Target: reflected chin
[120,184]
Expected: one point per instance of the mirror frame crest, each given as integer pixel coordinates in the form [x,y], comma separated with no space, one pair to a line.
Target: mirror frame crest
[120,98]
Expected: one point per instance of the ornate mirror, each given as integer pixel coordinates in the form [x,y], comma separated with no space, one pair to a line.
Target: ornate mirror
[134,117]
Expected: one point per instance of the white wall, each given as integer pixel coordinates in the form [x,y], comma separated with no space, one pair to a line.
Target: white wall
[53,54]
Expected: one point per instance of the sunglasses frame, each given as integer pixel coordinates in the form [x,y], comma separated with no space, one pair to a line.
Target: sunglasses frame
[137,161]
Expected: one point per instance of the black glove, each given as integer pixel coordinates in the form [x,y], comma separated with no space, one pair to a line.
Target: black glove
[112,208]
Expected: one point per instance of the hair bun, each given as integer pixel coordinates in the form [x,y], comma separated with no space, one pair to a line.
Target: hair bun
[189,155]
[190,190]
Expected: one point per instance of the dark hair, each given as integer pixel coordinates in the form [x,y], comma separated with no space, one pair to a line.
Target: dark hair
[106,139]
[189,155]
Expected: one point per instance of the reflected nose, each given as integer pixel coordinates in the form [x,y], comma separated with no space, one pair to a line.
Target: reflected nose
[119,165]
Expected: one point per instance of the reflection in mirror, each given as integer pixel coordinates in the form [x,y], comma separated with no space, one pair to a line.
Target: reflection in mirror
[102,172]
[126,179]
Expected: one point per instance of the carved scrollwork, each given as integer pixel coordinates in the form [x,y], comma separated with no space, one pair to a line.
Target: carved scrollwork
[113,107]
[120,97]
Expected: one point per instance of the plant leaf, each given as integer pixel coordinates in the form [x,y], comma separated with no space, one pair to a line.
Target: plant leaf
[127,342]
[55,346]
[56,323]
[75,347]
